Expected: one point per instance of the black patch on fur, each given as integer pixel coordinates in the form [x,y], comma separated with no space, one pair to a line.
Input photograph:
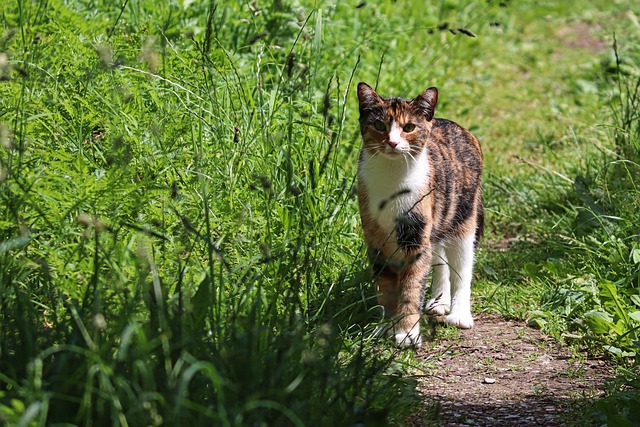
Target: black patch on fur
[395,104]
[442,124]
[409,229]
[371,114]
[399,193]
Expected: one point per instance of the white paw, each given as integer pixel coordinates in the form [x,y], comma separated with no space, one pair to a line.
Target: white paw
[436,307]
[460,320]
[410,338]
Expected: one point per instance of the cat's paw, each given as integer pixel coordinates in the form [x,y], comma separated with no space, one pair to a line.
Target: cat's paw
[436,307]
[460,320]
[403,339]
[411,338]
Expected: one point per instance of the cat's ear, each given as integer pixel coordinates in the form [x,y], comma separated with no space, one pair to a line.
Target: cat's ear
[367,96]
[425,103]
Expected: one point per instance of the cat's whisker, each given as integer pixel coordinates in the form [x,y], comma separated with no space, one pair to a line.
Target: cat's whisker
[373,151]
[409,158]
[406,161]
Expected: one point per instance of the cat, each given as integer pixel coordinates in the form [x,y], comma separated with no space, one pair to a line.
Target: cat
[421,205]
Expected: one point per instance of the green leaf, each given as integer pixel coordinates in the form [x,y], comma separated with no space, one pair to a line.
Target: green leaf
[635,316]
[619,352]
[609,294]
[586,86]
[620,327]
[553,267]
[18,405]
[537,323]
[635,255]
[608,290]
[489,271]
[201,302]
[14,243]
[599,322]
[531,270]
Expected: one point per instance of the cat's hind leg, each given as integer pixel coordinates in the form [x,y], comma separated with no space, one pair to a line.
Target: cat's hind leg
[460,257]
[440,302]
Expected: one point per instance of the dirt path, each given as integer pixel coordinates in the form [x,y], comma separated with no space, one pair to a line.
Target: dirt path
[503,373]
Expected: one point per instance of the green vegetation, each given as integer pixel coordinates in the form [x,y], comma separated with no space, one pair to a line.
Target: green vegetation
[179,240]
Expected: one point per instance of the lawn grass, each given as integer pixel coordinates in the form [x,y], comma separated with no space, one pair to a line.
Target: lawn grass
[179,238]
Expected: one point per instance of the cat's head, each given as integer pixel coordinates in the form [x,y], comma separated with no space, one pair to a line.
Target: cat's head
[395,126]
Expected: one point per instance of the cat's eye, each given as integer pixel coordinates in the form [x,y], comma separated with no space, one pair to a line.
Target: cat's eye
[409,127]
[379,125]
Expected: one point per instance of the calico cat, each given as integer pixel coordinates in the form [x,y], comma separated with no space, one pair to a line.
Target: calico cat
[420,200]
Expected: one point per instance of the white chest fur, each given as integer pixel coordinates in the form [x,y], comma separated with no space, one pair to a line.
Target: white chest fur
[394,185]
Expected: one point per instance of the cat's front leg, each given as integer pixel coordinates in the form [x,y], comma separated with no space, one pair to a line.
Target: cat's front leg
[409,336]
[401,303]
[388,290]
[412,283]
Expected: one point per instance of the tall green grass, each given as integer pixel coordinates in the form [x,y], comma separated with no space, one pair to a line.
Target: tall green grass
[179,241]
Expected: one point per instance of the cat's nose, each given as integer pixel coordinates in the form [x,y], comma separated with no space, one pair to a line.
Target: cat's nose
[395,137]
